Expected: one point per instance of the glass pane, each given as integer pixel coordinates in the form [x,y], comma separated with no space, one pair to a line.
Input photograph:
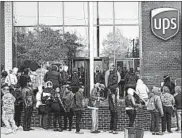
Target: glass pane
[106,39]
[106,12]
[126,12]
[79,37]
[50,13]
[24,13]
[128,40]
[76,13]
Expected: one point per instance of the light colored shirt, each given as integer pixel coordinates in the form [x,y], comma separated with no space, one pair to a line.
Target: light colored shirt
[11,79]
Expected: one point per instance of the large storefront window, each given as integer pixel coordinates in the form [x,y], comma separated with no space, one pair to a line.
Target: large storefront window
[25,13]
[50,13]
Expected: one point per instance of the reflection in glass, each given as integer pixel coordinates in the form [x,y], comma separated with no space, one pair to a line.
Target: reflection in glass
[126,12]
[80,38]
[24,13]
[50,13]
[76,13]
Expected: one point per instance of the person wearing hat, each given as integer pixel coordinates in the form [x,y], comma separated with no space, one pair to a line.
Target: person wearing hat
[95,102]
[169,84]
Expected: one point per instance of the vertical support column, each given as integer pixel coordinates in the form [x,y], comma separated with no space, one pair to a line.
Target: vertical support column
[8,35]
[140,38]
[91,43]
[1,25]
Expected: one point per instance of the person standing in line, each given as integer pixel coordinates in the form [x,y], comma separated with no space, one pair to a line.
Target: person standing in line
[156,110]
[112,78]
[28,99]
[24,78]
[131,106]
[68,103]
[178,107]
[75,80]
[95,102]
[78,108]
[169,84]
[168,103]
[98,78]
[8,101]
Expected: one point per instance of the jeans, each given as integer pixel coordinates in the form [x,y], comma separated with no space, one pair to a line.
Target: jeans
[69,116]
[59,118]
[45,121]
[155,119]
[113,121]
[132,115]
[95,120]
[27,117]
[167,118]
[18,111]
[178,116]
[78,120]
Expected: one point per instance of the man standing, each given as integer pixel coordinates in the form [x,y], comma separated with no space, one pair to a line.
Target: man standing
[28,98]
[112,78]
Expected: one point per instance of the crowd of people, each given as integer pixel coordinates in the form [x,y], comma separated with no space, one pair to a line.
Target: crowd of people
[55,92]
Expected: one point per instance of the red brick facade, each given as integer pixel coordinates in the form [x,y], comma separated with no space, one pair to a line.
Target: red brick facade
[159,57]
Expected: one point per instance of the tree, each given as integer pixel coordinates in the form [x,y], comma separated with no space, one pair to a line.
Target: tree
[119,46]
[45,44]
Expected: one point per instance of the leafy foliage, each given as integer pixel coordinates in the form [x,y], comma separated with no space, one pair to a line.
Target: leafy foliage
[45,44]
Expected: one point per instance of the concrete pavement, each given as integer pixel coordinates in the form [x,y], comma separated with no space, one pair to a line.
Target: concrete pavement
[39,133]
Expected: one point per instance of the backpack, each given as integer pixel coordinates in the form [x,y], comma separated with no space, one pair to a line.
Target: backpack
[151,104]
[75,79]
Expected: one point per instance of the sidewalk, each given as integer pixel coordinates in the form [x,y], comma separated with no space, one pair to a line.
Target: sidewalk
[39,133]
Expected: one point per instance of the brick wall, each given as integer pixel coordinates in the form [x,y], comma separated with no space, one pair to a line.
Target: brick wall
[2,32]
[142,119]
[159,57]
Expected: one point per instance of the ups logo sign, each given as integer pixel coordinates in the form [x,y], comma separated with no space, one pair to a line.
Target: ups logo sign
[165,22]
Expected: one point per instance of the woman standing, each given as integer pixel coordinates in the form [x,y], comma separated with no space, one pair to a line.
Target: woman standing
[168,103]
[131,106]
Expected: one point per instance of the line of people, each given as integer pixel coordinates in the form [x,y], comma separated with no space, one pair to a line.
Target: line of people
[60,99]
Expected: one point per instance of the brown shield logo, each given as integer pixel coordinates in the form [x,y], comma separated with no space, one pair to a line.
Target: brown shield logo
[165,22]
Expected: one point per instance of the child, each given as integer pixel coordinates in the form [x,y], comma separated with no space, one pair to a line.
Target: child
[78,108]
[8,110]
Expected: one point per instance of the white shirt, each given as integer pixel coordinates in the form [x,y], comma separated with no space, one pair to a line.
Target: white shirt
[11,79]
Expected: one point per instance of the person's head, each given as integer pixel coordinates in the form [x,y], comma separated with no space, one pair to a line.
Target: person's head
[5,88]
[178,89]
[125,69]
[57,90]
[26,71]
[49,84]
[130,91]
[166,89]
[65,68]
[156,90]
[15,70]
[131,70]
[10,71]
[166,78]
[101,86]
[81,89]
[139,82]
[54,68]
[97,69]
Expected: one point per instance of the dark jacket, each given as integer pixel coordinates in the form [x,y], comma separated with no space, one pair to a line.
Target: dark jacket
[24,79]
[65,77]
[54,77]
[77,104]
[178,101]
[98,77]
[74,79]
[28,96]
[113,80]
[171,86]
[131,79]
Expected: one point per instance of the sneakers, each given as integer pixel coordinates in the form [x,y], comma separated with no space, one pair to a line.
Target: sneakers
[79,132]
[170,131]
[60,130]
[159,133]
[111,131]
[9,132]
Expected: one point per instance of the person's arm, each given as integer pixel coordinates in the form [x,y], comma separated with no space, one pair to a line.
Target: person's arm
[7,80]
[106,78]
[119,76]
[16,80]
[24,93]
[173,101]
